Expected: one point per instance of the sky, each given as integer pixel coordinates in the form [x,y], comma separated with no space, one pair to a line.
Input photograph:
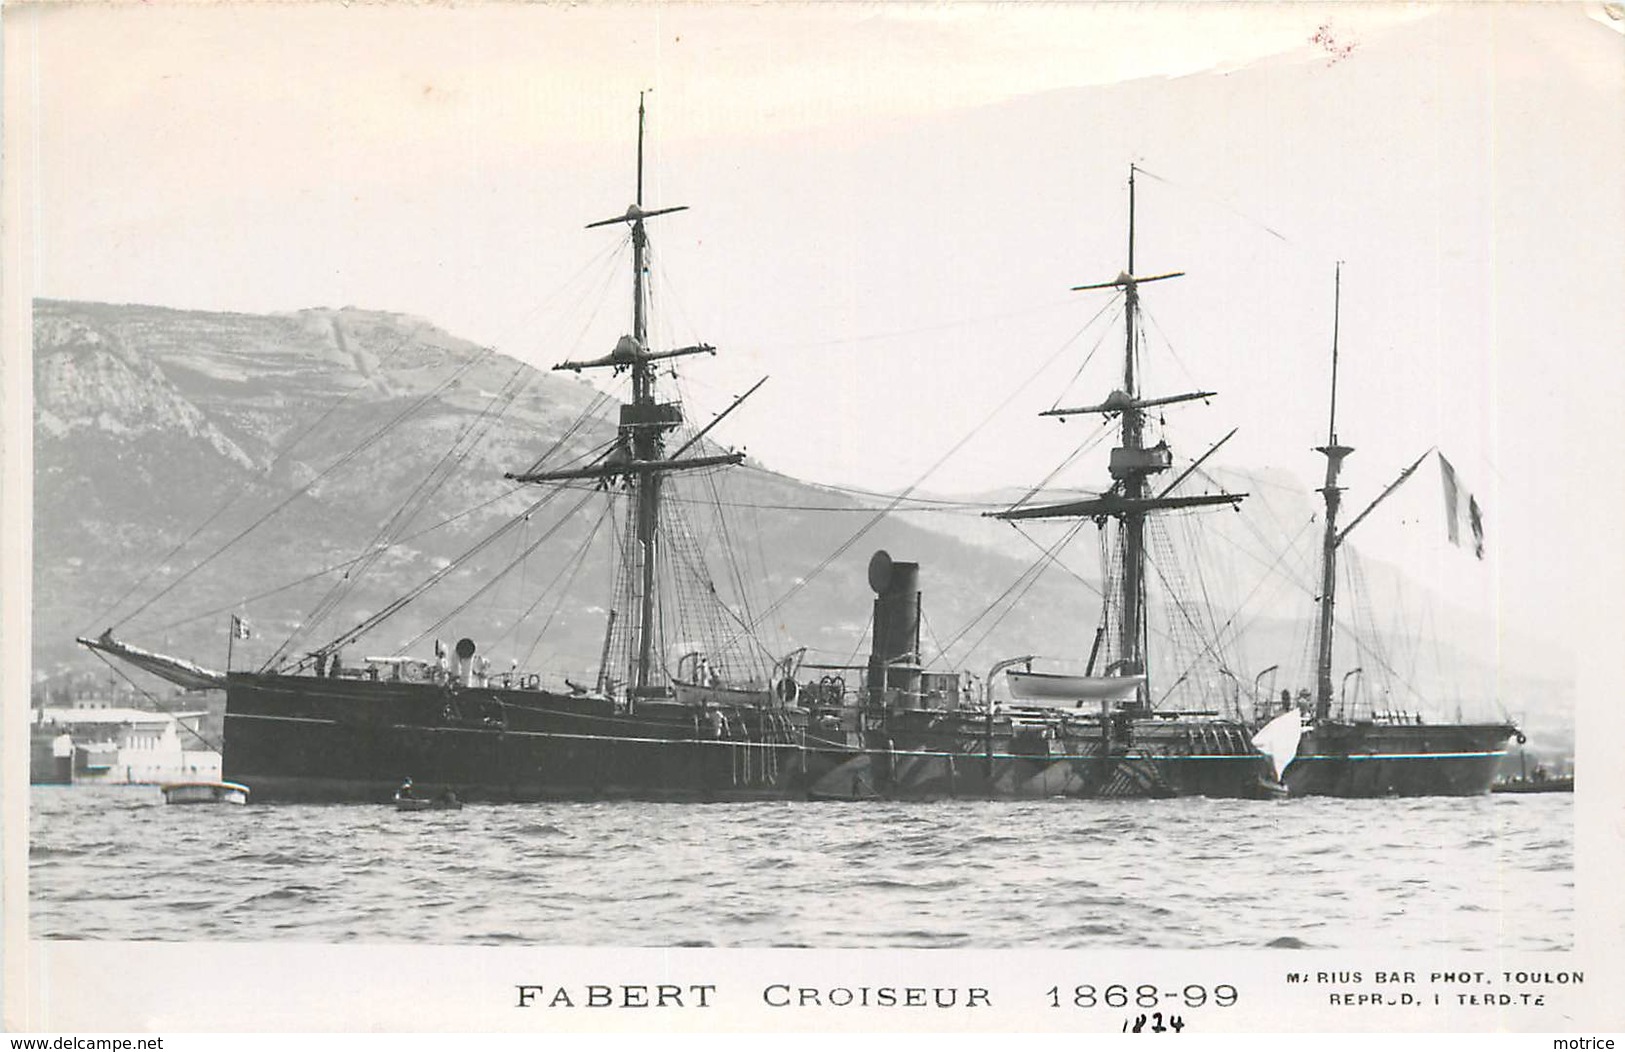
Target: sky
[888,206]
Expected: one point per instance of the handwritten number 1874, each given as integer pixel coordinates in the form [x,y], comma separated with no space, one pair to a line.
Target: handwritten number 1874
[1175,1023]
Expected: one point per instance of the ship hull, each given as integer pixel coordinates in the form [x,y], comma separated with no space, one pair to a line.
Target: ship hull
[331,740]
[1406,759]
[298,738]
[934,756]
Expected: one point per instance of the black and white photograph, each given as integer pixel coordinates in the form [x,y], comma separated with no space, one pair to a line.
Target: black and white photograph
[1086,518]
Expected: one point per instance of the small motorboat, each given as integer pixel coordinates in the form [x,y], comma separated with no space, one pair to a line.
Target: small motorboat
[1560,784]
[1539,780]
[205,793]
[447,802]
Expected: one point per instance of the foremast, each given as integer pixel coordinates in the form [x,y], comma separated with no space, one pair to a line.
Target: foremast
[639,458]
[1132,465]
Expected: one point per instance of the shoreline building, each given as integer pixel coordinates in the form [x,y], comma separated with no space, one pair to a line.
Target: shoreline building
[95,742]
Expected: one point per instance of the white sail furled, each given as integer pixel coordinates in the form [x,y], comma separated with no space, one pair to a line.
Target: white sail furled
[178,671]
[1278,739]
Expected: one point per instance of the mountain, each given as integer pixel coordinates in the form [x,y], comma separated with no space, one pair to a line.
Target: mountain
[284,442]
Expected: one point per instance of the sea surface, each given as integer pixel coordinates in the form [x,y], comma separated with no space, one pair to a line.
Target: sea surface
[1478,873]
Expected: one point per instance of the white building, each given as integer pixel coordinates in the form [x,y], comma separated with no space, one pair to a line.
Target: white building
[131,746]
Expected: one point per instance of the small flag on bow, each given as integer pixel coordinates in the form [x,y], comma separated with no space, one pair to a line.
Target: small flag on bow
[1461,509]
[239,628]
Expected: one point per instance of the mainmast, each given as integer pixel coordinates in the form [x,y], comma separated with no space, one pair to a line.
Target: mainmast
[639,457]
[1333,495]
[1132,465]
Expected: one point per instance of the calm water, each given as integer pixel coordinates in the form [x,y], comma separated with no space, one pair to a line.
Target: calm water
[1495,871]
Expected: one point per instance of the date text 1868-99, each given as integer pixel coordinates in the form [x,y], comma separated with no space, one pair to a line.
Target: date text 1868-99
[1145,995]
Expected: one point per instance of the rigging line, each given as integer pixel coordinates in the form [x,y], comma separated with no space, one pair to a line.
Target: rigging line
[932,632]
[572,566]
[1214,200]
[857,648]
[955,448]
[740,588]
[1369,653]
[611,273]
[1030,539]
[742,571]
[1089,442]
[335,566]
[589,412]
[1360,592]
[1173,352]
[302,490]
[1038,571]
[672,304]
[1257,533]
[698,571]
[832,487]
[936,327]
[400,602]
[968,510]
[216,746]
[588,415]
[413,504]
[1371,648]
[232,499]
[473,432]
[1272,567]
[619,564]
[565,288]
[691,554]
[1240,630]
[1034,568]
[1424,630]
[1106,330]
[1210,645]
[1208,605]
[763,571]
[875,494]
[497,577]
[389,355]
[604,259]
[288,449]
[1105,593]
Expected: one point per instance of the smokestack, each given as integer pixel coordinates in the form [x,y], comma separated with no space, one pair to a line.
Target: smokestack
[894,659]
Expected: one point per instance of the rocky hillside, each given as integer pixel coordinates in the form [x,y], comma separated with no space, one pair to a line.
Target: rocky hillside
[162,435]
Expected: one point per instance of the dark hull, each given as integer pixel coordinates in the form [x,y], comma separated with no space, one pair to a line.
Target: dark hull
[297,738]
[924,755]
[1399,759]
